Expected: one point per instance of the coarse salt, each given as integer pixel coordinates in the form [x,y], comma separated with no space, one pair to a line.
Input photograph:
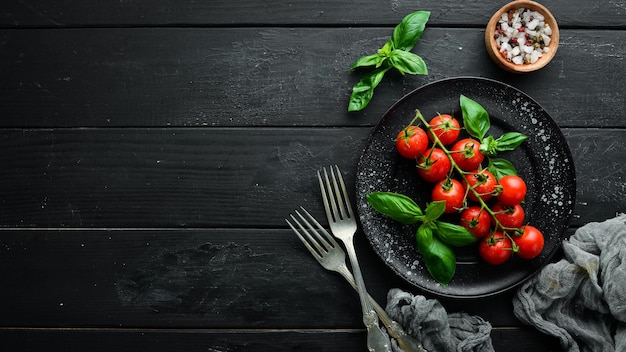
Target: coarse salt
[522,36]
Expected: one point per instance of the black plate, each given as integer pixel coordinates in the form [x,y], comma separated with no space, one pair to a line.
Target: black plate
[544,161]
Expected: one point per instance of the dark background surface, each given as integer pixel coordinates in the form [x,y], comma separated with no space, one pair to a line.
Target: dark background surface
[150,151]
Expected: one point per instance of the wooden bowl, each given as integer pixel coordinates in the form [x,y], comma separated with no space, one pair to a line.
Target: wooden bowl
[507,64]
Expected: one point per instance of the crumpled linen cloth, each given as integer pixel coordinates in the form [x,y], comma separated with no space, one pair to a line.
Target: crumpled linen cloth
[581,299]
[438,331]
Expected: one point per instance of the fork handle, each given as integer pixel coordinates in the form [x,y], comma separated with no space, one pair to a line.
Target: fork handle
[407,342]
[358,278]
[376,339]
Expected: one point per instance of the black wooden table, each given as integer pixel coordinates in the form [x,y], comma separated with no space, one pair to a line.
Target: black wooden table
[150,150]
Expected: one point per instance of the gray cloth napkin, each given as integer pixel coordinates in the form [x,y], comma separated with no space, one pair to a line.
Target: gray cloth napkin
[581,299]
[427,320]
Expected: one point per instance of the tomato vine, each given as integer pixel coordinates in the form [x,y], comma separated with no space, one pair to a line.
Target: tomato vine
[505,229]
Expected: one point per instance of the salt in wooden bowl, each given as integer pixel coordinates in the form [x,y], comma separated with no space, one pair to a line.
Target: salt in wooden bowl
[508,63]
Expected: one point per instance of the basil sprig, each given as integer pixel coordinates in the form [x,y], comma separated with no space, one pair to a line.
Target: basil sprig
[394,54]
[477,123]
[433,236]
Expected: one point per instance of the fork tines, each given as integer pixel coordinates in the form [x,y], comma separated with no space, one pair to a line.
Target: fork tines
[310,235]
[336,191]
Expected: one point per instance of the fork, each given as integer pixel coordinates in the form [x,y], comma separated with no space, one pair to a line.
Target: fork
[343,225]
[329,254]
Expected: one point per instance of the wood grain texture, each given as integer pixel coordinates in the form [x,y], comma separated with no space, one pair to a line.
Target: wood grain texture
[152,149]
[220,177]
[271,76]
[600,13]
[230,341]
[204,279]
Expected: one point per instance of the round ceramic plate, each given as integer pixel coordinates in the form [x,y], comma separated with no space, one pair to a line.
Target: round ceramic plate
[544,161]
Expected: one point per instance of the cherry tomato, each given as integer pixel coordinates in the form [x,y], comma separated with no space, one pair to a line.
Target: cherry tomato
[434,165]
[452,191]
[476,220]
[483,182]
[446,128]
[411,142]
[512,190]
[509,216]
[530,243]
[466,154]
[495,249]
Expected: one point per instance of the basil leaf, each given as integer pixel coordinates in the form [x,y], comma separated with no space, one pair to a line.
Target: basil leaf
[454,235]
[435,209]
[363,91]
[369,60]
[439,259]
[385,51]
[409,30]
[510,141]
[407,62]
[475,118]
[489,146]
[396,206]
[501,167]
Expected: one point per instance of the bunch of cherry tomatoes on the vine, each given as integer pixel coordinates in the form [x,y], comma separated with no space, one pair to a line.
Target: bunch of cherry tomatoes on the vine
[489,208]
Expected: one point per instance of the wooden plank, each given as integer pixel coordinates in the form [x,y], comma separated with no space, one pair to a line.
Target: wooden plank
[599,13]
[204,278]
[215,177]
[195,77]
[512,340]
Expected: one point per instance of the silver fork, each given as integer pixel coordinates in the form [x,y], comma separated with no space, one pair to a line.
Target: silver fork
[329,254]
[343,225]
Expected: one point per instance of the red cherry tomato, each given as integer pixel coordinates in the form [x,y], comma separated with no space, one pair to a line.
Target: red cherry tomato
[452,191]
[496,249]
[445,127]
[509,216]
[434,165]
[512,190]
[411,142]
[476,220]
[530,243]
[466,154]
[483,182]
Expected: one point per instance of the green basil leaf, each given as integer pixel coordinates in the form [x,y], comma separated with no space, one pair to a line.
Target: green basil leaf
[439,259]
[510,141]
[475,118]
[454,235]
[489,146]
[501,167]
[386,50]
[435,209]
[396,206]
[424,236]
[363,91]
[407,62]
[409,30]
[369,60]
